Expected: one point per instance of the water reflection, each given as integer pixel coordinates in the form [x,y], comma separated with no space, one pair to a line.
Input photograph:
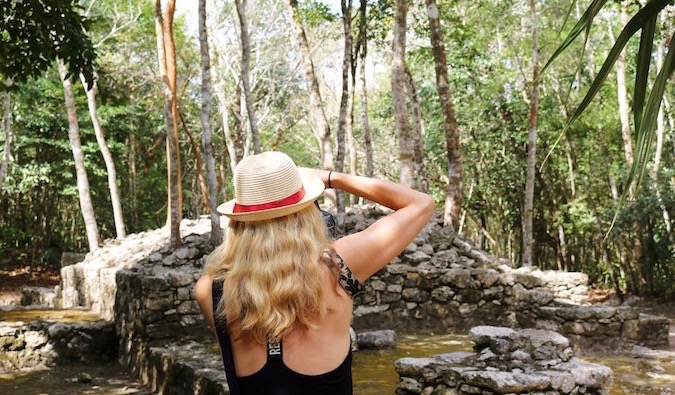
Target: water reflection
[55,315]
[374,372]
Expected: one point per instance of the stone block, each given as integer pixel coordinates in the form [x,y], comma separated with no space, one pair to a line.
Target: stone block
[507,382]
[377,340]
[442,293]
[412,367]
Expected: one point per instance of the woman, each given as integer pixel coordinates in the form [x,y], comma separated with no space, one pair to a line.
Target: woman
[287,288]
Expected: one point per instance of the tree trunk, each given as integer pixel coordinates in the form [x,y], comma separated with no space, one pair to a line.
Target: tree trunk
[528,205]
[245,80]
[321,126]
[131,159]
[346,7]
[107,158]
[199,168]
[6,128]
[365,127]
[417,135]
[81,173]
[167,64]
[398,84]
[230,137]
[660,133]
[207,143]
[622,97]
[453,197]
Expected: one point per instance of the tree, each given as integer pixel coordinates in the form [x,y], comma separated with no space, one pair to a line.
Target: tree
[33,35]
[528,239]
[453,197]
[361,55]
[245,79]
[207,143]
[398,84]
[82,180]
[343,117]
[622,95]
[321,126]
[166,52]
[6,129]
[107,157]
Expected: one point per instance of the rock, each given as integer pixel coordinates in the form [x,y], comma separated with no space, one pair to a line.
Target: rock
[377,340]
[84,378]
[412,367]
[417,257]
[409,385]
[507,382]
[484,336]
[590,375]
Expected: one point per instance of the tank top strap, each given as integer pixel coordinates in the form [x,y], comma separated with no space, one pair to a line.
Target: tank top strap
[275,351]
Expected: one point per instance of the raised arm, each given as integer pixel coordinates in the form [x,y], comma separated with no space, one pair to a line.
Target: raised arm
[368,251]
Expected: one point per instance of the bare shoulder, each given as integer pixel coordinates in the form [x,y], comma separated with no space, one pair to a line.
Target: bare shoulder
[203,288]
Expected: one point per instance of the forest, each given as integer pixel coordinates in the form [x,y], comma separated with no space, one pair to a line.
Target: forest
[124,116]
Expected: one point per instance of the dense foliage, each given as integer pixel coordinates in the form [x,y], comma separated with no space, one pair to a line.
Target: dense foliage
[488,49]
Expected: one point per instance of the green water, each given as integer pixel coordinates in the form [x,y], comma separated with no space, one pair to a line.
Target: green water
[374,372]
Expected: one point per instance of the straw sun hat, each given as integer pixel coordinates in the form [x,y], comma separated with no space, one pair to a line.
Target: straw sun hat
[269,185]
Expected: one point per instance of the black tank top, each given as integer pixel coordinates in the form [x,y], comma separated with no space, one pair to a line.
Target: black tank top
[275,378]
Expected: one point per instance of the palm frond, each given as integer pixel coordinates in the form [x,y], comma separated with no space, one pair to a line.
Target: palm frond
[644,58]
[645,134]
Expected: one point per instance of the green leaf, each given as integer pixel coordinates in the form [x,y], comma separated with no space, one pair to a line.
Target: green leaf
[645,135]
[584,23]
[642,70]
[644,16]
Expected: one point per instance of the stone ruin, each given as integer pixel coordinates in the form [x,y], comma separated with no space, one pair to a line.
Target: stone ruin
[504,361]
[440,282]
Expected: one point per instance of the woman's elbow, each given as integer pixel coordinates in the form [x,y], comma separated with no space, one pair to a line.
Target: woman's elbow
[427,205]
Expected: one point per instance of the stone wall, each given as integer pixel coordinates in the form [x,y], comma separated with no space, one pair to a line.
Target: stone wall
[41,343]
[440,282]
[504,361]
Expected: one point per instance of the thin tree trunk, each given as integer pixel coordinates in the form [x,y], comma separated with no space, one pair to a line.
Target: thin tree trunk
[622,96]
[660,133]
[81,173]
[6,128]
[198,164]
[365,127]
[131,159]
[245,80]
[417,135]
[453,197]
[321,126]
[230,138]
[167,64]
[107,158]
[207,143]
[528,206]
[346,7]
[398,84]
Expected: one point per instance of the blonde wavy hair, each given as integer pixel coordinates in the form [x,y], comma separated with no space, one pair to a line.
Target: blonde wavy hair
[272,279]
